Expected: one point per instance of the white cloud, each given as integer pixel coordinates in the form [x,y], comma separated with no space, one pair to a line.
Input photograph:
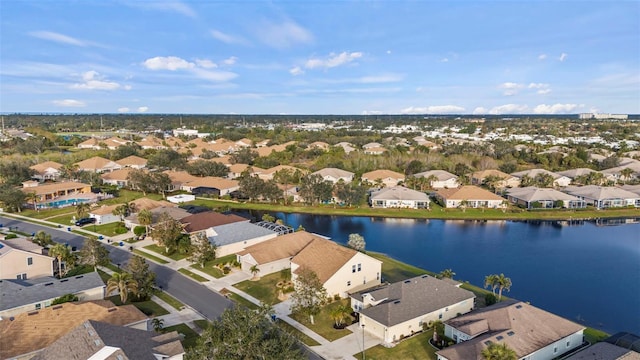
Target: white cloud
[283,35]
[563,56]
[206,63]
[167,63]
[124,110]
[92,80]
[555,108]
[510,88]
[388,51]
[57,37]
[436,109]
[508,109]
[538,86]
[143,109]
[444,60]
[479,111]
[296,70]
[230,61]
[173,6]
[333,60]
[385,78]
[69,103]
[213,75]
[543,91]
[372,112]
[226,38]
[542,57]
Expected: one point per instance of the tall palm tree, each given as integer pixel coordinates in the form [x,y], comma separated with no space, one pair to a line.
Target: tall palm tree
[32,197]
[62,253]
[626,174]
[124,283]
[145,218]
[82,210]
[499,352]
[504,283]
[255,270]
[446,273]
[339,313]
[492,282]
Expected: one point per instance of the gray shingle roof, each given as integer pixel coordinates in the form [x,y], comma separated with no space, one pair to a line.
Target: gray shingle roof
[532,193]
[406,300]
[399,193]
[14,293]
[238,232]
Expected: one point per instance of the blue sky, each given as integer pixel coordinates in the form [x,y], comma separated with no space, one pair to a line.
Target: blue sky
[320,57]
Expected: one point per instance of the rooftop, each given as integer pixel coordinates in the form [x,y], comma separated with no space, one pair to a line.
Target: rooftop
[209,219]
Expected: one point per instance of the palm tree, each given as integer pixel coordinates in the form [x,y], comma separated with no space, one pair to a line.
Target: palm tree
[255,270]
[82,209]
[339,313]
[491,281]
[158,324]
[499,352]
[144,218]
[463,205]
[124,283]
[32,197]
[446,273]
[504,283]
[62,253]
[626,174]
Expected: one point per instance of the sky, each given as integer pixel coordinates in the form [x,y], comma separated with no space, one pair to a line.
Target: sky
[319,57]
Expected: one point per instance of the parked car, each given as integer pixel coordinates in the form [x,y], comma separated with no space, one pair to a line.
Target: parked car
[85,221]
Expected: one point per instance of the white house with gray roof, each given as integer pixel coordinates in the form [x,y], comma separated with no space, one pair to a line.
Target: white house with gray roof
[441,179]
[235,237]
[558,180]
[602,197]
[19,296]
[397,310]
[399,197]
[334,175]
[532,197]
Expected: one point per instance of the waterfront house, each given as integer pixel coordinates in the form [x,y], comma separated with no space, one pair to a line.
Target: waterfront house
[398,197]
[604,350]
[211,185]
[394,311]
[441,179]
[532,333]
[469,196]
[386,178]
[23,259]
[558,180]
[602,197]
[532,197]
[97,164]
[334,175]
[48,193]
[505,180]
[48,170]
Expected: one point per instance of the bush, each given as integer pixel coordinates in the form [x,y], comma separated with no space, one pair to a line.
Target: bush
[336,297]
[10,236]
[490,299]
[64,298]
[226,270]
[139,230]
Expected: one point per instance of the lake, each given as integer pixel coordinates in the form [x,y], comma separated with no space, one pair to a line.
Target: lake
[585,272]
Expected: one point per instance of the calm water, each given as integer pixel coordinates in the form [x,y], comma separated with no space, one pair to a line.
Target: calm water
[586,273]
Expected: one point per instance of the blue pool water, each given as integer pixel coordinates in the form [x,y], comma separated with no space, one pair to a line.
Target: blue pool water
[63,203]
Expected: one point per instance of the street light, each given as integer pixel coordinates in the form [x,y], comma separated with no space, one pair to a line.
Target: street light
[363,347]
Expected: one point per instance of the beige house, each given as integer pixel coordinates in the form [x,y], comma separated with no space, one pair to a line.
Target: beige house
[151,142]
[29,333]
[97,164]
[394,311]
[558,180]
[134,162]
[268,174]
[52,191]
[441,179]
[319,145]
[532,333]
[211,184]
[96,144]
[469,196]
[399,197]
[48,170]
[178,178]
[387,178]
[506,180]
[236,170]
[22,259]
[532,197]
[334,175]
[118,177]
[375,151]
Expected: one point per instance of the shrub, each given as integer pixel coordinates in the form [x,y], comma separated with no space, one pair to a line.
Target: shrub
[490,299]
[10,236]
[139,230]
[336,297]
[226,270]
[64,298]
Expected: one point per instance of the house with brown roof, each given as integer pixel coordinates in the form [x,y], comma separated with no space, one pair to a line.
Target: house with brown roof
[236,170]
[341,270]
[23,259]
[119,178]
[385,177]
[244,142]
[393,311]
[131,221]
[152,142]
[97,144]
[211,185]
[29,333]
[179,178]
[469,196]
[97,164]
[269,174]
[505,180]
[134,162]
[531,332]
[49,192]
[48,170]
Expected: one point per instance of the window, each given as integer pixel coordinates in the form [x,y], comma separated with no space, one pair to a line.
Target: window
[29,261]
[38,306]
[353,268]
[348,283]
[555,349]
[377,276]
[21,277]
[359,267]
[440,316]
[568,343]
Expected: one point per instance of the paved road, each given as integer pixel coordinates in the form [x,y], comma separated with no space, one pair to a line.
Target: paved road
[200,298]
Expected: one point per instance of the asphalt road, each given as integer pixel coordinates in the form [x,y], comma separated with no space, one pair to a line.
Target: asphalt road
[208,303]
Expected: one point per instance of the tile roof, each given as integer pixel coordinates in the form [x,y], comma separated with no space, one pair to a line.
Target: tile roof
[42,167]
[180,176]
[132,160]
[96,163]
[280,247]
[535,172]
[55,187]
[573,173]
[409,299]
[399,193]
[532,193]
[27,333]
[314,257]
[600,192]
[523,327]
[604,351]
[441,175]
[382,174]
[120,174]
[19,243]
[208,219]
[238,232]
[275,169]
[468,192]
[334,172]
[492,172]
[212,182]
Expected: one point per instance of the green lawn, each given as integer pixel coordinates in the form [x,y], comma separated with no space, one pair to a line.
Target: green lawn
[209,269]
[190,336]
[238,299]
[202,323]
[224,260]
[150,308]
[323,323]
[150,257]
[415,348]
[64,220]
[113,267]
[297,333]
[43,214]
[192,275]
[263,289]
[176,256]
[394,270]
[104,276]
[170,300]
[593,335]
[111,229]
[79,270]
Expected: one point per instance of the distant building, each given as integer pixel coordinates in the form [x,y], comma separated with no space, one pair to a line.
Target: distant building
[603,116]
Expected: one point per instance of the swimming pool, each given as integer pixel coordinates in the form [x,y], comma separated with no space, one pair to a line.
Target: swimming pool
[63,203]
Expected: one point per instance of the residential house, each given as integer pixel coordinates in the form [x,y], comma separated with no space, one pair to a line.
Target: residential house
[319,145]
[203,222]
[178,178]
[441,179]
[211,185]
[347,147]
[152,142]
[616,173]
[235,237]
[398,197]
[394,311]
[104,214]
[604,350]
[97,164]
[371,145]
[19,296]
[505,180]
[386,178]
[134,162]
[23,259]
[269,174]
[244,142]
[48,170]
[375,151]
[334,175]
[263,143]
[602,197]
[29,333]
[469,196]
[48,193]
[97,144]
[632,188]
[558,180]
[532,333]
[532,197]
[266,151]
[119,178]
[574,173]
[346,270]
[236,170]
[131,221]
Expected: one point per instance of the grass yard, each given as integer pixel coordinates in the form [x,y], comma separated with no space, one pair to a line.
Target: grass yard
[414,348]
[149,307]
[593,335]
[79,270]
[209,269]
[202,323]
[190,336]
[64,220]
[297,333]
[104,276]
[192,275]
[112,267]
[47,213]
[170,300]
[394,270]
[263,289]
[238,299]
[323,323]
[176,256]
[150,257]
[111,229]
